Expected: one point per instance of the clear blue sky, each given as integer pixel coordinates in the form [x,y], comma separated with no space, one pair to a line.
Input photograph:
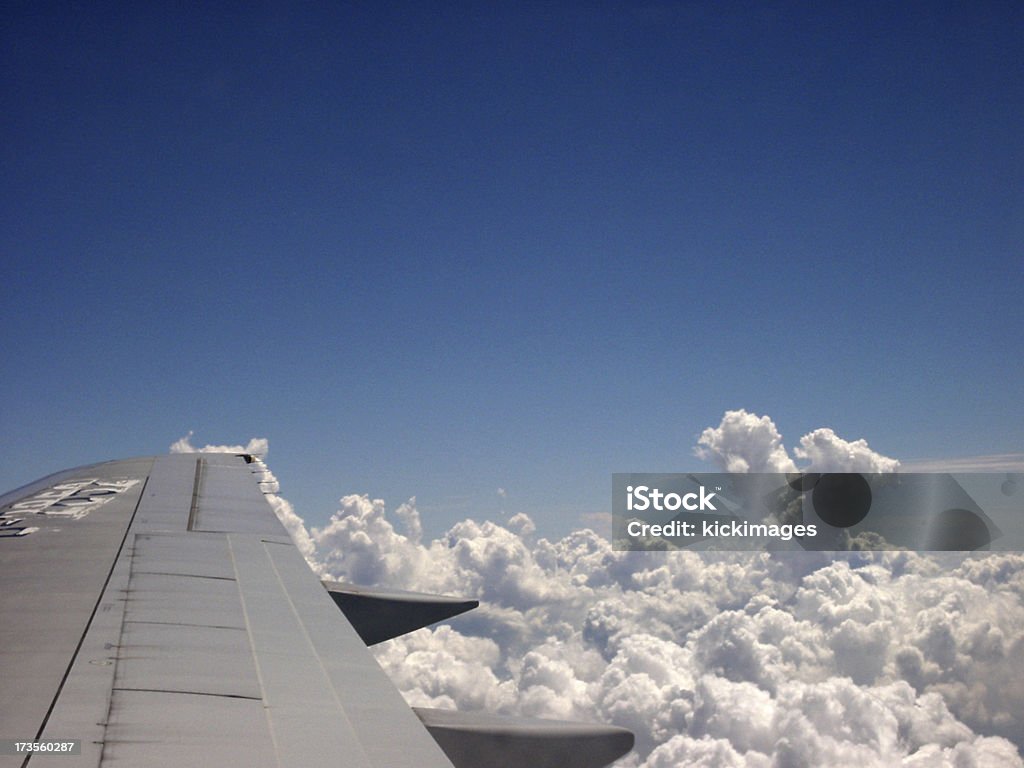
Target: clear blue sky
[442,248]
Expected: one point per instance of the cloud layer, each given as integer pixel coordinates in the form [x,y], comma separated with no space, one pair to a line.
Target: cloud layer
[712,659]
[751,659]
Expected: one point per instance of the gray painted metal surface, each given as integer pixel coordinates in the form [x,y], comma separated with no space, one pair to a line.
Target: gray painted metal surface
[51,581]
[172,622]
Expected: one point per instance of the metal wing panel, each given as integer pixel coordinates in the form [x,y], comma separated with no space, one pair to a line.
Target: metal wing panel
[153,729]
[218,660]
[187,600]
[388,729]
[168,496]
[327,699]
[230,500]
[191,554]
[72,526]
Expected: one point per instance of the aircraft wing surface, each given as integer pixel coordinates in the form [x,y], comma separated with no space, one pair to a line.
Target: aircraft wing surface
[157,611]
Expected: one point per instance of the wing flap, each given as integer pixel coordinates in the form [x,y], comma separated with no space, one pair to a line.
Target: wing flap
[480,740]
[380,614]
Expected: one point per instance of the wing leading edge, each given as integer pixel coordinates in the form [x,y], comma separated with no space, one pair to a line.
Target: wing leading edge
[165,618]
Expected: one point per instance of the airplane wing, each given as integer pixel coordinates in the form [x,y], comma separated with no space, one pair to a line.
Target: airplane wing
[156,611]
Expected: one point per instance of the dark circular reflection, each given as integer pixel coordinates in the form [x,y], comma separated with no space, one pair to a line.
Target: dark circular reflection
[958,529]
[841,500]
[803,481]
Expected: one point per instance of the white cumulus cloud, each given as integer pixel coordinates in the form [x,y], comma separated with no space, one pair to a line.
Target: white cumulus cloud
[257,446]
[746,442]
[825,451]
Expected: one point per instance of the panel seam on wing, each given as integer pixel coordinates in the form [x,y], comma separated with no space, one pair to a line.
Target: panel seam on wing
[252,650]
[192,693]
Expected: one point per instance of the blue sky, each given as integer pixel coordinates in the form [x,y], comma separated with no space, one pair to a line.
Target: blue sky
[441,249]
